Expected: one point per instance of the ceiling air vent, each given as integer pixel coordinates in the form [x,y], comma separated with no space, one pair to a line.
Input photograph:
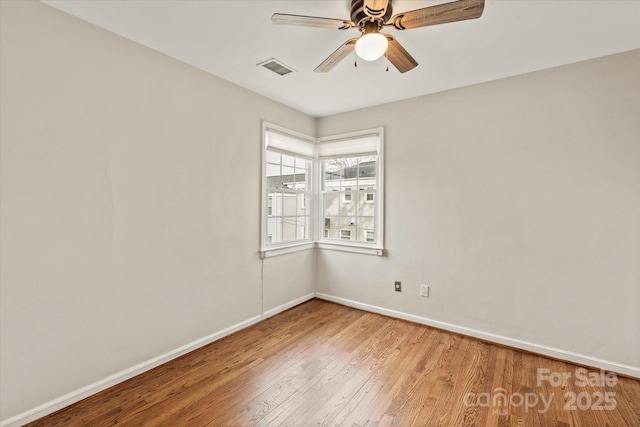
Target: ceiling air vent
[276,66]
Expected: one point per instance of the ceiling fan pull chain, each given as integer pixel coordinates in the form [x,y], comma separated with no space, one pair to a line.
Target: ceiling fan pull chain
[355,60]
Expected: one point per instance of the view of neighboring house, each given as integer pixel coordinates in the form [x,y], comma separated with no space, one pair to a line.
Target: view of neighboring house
[348,198]
[288,213]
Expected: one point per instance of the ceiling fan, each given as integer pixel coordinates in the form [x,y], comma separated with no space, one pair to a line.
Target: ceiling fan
[371,16]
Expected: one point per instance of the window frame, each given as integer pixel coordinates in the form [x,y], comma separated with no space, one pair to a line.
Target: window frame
[312,150]
[266,246]
[376,247]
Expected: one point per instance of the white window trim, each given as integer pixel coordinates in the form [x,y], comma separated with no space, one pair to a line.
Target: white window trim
[287,249]
[316,233]
[289,246]
[376,248]
[338,245]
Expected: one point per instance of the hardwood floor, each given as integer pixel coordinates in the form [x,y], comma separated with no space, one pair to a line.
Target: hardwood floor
[324,364]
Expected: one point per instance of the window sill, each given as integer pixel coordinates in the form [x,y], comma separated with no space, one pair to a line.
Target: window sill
[342,247]
[283,250]
[366,250]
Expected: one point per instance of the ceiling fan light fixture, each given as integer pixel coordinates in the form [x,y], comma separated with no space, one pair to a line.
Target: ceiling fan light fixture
[371,46]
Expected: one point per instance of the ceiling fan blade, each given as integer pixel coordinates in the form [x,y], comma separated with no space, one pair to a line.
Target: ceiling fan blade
[460,10]
[375,8]
[337,56]
[398,56]
[311,21]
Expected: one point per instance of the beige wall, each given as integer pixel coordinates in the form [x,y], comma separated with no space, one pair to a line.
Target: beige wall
[130,215]
[518,202]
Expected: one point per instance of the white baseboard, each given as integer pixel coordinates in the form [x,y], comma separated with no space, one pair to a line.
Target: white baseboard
[288,305]
[84,392]
[568,356]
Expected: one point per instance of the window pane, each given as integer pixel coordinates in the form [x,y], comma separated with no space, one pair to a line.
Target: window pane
[302,163]
[367,167]
[275,203]
[289,202]
[366,222]
[349,185]
[331,227]
[274,229]
[332,170]
[365,226]
[273,170]
[288,176]
[349,198]
[346,206]
[300,179]
[332,185]
[365,207]
[347,222]
[273,157]
[289,229]
[273,176]
[303,227]
[302,203]
[288,160]
[350,170]
[331,204]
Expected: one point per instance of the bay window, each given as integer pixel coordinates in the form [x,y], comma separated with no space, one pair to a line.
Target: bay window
[327,191]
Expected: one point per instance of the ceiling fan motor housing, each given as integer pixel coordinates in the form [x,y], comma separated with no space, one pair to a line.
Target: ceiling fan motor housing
[358,14]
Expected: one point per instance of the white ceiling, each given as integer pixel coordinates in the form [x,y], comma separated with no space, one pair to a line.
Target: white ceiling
[229,37]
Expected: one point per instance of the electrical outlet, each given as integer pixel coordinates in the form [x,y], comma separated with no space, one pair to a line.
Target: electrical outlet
[424,291]
[398,286]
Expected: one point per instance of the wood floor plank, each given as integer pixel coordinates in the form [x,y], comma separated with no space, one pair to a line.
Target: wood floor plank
[324,364]
[407,372]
